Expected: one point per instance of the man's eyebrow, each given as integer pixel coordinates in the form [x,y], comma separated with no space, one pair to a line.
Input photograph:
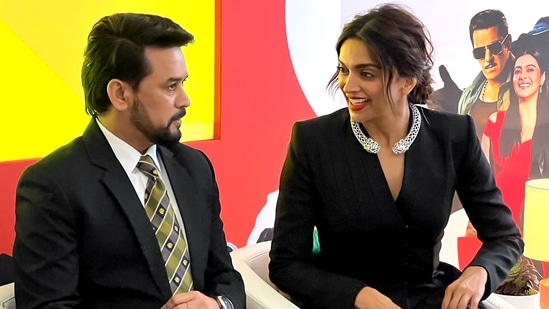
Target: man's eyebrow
[177,79]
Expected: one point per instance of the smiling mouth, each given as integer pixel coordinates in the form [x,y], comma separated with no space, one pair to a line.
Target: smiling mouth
[358,101]
[490,65]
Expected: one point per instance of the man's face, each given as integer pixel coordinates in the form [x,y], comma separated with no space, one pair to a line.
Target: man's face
[491,50]
[160,100]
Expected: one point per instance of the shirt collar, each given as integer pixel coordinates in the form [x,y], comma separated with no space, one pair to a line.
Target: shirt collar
[125,153]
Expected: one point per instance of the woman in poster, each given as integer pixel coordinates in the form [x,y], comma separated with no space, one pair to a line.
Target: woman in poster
[516,141]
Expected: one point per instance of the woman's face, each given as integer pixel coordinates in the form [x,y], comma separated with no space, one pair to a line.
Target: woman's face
[527,76]
[360,79]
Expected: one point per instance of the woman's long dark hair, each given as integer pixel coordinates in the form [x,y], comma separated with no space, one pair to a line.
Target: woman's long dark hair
[397,40]
[510,135]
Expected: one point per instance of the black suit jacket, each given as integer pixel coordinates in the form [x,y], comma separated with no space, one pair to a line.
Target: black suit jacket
[6,269]
[368,238]
[83,239]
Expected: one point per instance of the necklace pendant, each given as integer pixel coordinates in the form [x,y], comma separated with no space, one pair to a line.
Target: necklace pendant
[371,146]
[400,147]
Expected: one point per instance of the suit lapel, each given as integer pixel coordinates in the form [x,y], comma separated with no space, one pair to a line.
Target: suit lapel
[116,181]
[365,171]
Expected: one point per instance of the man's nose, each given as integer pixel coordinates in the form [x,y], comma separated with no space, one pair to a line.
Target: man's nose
[488,56]
[182,99]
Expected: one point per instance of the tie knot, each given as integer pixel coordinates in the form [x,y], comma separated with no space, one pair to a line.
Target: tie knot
[147,166]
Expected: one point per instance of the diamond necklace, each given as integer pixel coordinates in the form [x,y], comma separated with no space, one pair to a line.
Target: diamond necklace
[401,146]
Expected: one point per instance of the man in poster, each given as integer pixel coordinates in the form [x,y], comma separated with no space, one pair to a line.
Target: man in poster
[491,42]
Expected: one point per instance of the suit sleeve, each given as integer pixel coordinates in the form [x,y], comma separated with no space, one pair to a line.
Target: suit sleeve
[501,240]
[292,268]
[221,278]
[45,249]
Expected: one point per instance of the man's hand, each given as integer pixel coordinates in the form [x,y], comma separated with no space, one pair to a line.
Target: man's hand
[191,300]
[467,290]
[370,298]
[447,97]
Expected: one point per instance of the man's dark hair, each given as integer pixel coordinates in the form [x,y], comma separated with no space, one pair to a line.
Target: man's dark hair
[116,49]
[488,19]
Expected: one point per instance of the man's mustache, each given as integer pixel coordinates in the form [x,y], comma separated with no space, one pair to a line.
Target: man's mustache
[179,115]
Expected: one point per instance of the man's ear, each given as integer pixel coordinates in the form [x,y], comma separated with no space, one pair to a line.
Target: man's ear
[509,41]
[120,93]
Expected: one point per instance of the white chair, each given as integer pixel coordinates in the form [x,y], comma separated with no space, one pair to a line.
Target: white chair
[7,297]
[252,262]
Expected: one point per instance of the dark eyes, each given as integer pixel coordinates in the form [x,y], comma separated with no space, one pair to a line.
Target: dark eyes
[344,70]
[173,86]
[341,69]
[517,72]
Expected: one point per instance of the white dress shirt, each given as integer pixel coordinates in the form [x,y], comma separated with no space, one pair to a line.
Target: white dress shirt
[129,157]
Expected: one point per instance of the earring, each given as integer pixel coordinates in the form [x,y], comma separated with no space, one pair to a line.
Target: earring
[540,89]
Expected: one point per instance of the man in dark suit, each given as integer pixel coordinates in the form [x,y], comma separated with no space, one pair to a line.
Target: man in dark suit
[6,269]
[125,216]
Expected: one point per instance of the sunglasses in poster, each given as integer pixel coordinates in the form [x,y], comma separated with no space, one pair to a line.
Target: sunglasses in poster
[495,48]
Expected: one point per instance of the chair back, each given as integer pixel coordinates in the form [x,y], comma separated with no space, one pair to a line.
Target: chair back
[7,296]
[252,262]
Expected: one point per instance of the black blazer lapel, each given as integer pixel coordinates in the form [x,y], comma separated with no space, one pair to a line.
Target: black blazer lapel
[366,172]
[117,182]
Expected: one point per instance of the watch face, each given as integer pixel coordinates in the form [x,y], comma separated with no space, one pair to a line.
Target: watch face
[224,302]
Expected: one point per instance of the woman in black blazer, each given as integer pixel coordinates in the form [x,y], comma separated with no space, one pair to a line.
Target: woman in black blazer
[377,179]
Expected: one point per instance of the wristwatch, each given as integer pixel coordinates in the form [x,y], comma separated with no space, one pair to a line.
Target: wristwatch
[224,302]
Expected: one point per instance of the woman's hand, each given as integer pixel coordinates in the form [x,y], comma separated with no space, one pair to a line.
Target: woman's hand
[467,290]
[370,298]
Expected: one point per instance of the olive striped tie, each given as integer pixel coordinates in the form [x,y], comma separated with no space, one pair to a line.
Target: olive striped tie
[171,238]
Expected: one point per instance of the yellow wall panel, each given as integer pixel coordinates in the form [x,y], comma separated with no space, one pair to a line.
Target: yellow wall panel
[41,97]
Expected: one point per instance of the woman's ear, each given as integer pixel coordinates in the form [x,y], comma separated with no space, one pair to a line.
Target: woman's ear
[119,93]
[409,84]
